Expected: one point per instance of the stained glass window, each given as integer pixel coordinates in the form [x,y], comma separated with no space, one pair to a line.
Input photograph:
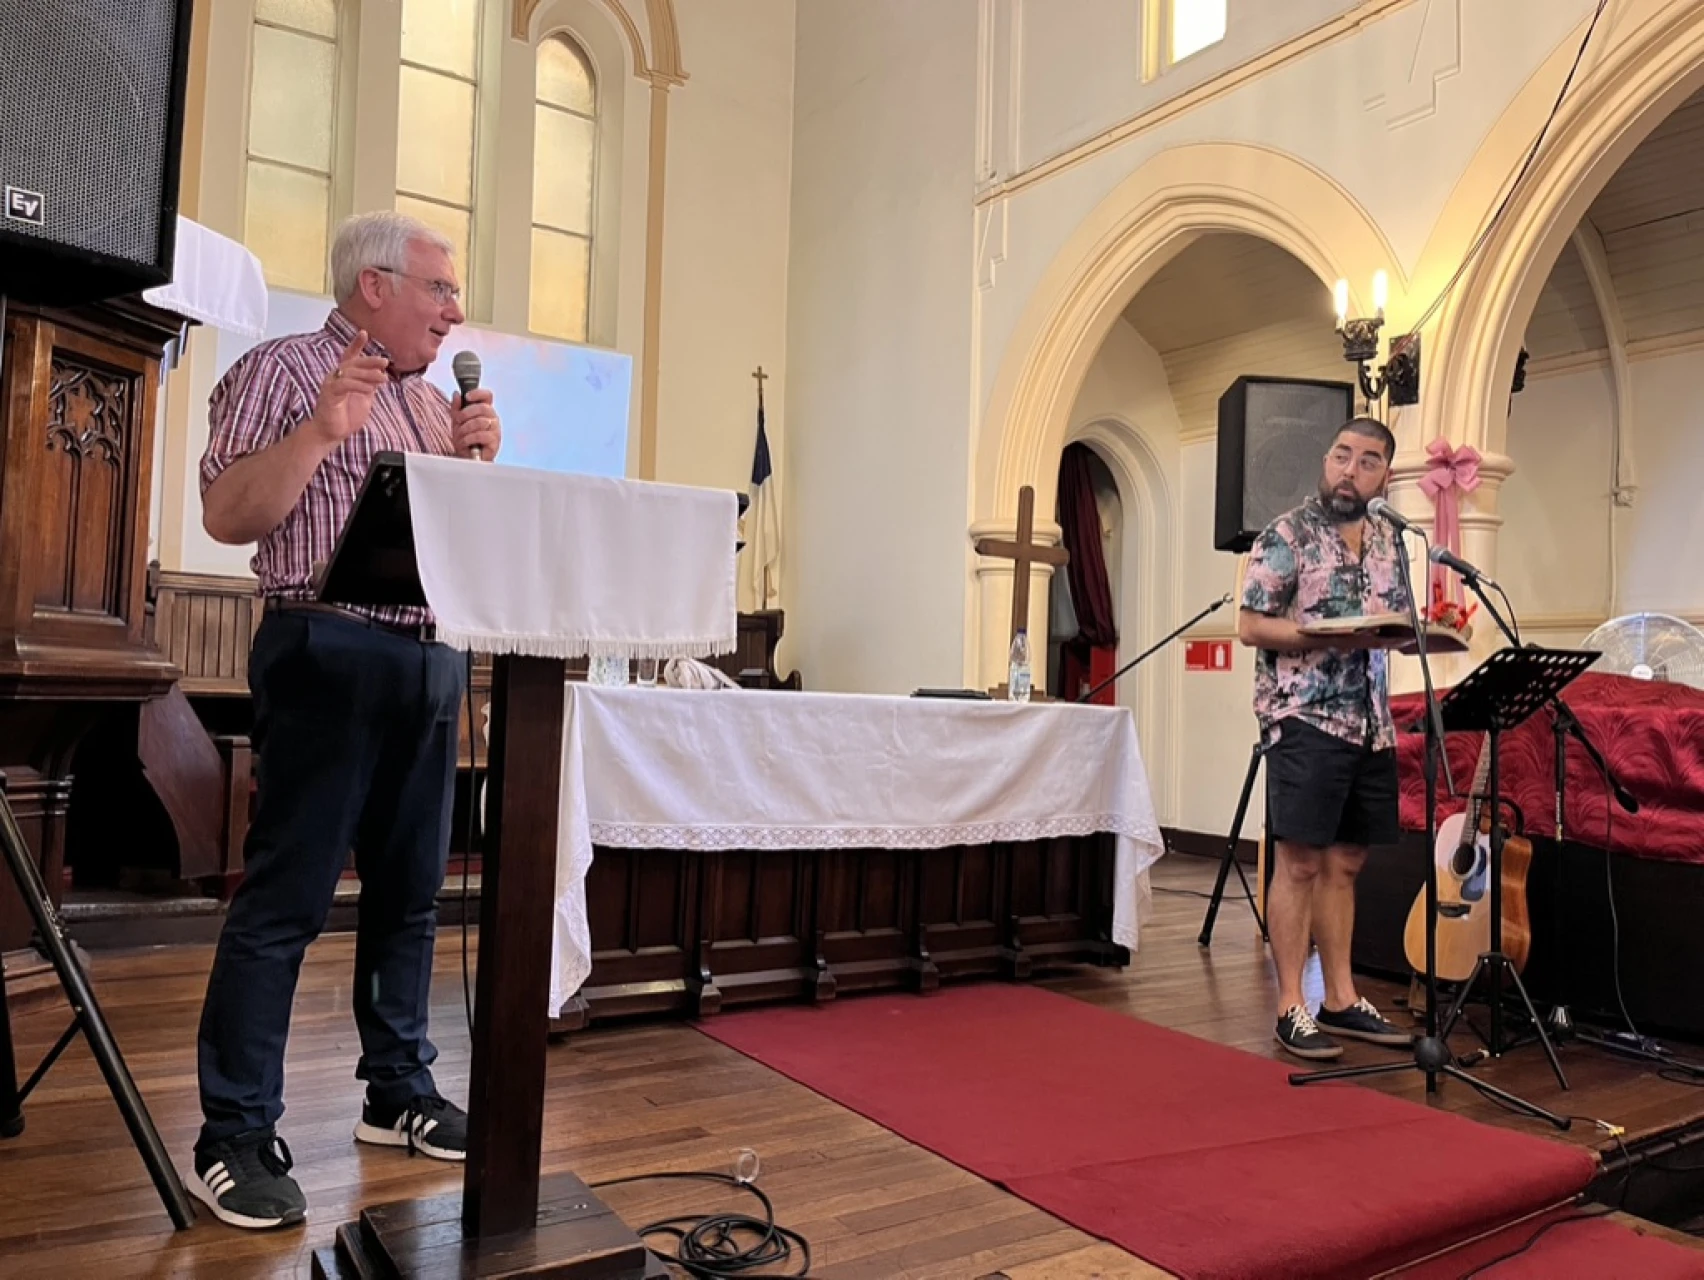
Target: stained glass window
[565,135]
[437,109]
[291,131]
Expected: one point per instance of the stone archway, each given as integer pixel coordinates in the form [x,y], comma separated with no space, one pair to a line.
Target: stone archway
[1618,101]
[1176,197]
[1619,97]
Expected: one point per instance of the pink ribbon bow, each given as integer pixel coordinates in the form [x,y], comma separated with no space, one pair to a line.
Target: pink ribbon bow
[1451,471]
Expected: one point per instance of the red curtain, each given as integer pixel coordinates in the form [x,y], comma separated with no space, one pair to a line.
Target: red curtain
[1091,591]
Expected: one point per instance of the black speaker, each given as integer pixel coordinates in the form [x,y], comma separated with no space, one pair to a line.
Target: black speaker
[1273,437]
[91,140]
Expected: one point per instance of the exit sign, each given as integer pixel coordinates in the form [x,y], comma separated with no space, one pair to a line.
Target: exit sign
[1207,655]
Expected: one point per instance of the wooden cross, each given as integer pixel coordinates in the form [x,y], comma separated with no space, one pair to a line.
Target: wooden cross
[1024,553]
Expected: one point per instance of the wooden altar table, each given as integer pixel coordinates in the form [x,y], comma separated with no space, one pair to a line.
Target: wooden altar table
[740,846]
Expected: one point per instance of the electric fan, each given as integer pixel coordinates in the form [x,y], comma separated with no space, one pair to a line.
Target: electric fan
[1650,646]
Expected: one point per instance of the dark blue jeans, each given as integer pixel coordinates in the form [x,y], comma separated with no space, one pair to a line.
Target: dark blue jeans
[355,734]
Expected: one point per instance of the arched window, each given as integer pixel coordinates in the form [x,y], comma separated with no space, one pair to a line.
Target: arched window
[1177,29]
[565,135]
[437,110]
[1195,24]
[291,127]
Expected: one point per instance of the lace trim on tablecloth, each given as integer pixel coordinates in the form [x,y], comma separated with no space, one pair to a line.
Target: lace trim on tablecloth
[635,835]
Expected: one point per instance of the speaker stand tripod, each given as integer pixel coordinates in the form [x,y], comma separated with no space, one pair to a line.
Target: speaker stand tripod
[1230,860]
[88,1019]
[1431,1052]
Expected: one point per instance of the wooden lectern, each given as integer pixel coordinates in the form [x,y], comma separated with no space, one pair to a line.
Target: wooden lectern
[507,1221]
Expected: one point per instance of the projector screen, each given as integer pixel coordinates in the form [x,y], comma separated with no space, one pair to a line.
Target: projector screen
[564,407]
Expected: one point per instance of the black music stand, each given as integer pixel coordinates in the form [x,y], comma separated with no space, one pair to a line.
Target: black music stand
[1501,694]
[507,1217]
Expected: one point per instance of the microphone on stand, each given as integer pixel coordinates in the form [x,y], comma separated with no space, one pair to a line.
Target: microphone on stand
[1470,575]
[467,369]
[1382,509]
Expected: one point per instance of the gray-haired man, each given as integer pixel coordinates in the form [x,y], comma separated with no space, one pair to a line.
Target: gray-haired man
[355,716]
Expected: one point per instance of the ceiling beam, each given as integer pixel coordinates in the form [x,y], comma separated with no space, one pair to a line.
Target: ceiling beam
[1588,243]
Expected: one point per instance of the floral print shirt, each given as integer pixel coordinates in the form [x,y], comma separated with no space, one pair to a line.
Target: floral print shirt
[1301,568]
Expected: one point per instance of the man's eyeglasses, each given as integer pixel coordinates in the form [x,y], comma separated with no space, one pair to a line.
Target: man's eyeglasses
[1367,464]
[442,291]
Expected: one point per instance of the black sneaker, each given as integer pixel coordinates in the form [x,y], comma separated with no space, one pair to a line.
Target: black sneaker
[246,1181]
[432,1126]
[1360,1021]
[1298,1033]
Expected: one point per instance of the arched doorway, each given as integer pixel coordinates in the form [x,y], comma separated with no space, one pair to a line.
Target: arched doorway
[1228,305]
[1171,202]
[1085,597]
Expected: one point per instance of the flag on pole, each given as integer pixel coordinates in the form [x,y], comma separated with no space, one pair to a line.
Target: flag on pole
[763,519]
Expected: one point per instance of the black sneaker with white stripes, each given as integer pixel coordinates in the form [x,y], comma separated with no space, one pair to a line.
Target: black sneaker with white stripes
[434,1127]
[246,1181]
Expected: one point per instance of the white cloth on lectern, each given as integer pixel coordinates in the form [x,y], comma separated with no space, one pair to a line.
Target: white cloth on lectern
[214,280]
[660,768]
[550,565]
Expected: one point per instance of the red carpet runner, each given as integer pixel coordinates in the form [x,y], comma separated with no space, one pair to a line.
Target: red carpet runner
[1201,1159]
[1571,1242]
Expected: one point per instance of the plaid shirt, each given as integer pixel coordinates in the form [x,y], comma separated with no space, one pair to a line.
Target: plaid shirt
[268,393]
[1300,568]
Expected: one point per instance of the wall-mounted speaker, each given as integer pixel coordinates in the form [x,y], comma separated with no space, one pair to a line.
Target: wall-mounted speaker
[1273,437]
[91,139]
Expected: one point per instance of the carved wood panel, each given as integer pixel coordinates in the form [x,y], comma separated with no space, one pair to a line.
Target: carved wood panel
[78,395]
[680,931]
[83,499]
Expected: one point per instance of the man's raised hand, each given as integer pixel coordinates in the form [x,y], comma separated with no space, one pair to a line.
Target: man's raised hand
[346,396]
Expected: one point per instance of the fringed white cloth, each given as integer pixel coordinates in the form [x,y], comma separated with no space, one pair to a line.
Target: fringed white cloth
[550,565]
[664,768]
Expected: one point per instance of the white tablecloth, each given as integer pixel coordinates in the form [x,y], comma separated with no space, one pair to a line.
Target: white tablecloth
[662,768]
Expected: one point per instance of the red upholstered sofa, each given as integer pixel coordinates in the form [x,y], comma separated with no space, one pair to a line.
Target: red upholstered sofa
[1651,735]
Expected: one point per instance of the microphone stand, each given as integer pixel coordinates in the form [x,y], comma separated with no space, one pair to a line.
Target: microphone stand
[1431,1054]
[1220,603]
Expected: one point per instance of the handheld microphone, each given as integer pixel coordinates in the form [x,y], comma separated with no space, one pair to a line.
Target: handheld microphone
[467,369]
[1447,558]
[1379,507]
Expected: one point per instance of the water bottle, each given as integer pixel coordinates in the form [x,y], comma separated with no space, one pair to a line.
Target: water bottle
[1018,669]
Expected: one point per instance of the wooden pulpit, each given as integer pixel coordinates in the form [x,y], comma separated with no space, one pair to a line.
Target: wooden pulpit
[508,1220]
[79,396]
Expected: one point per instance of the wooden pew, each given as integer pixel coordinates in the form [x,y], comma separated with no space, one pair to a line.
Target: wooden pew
[164,792]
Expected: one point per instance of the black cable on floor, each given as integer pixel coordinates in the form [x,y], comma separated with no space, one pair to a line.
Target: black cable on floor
[717,1245]
[1583,1216]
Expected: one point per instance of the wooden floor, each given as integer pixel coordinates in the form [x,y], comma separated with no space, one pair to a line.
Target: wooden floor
[75,1201]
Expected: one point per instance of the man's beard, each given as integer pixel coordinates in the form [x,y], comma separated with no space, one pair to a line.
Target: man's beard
[1344,506]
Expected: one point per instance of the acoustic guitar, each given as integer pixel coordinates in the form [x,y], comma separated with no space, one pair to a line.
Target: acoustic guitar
[1462,854]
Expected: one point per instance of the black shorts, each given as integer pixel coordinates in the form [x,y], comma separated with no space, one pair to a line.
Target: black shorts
[1322,790]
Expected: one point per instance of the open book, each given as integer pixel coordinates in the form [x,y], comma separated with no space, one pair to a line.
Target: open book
[1396,628]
